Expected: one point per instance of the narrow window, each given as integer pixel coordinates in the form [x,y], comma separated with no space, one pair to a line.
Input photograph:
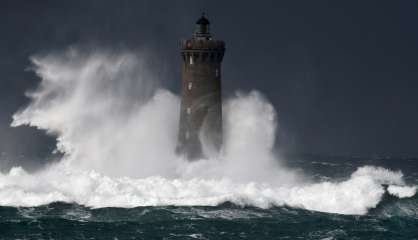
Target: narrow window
[189,110]
[187,135]
[191,60]
[217,73]
[190,86]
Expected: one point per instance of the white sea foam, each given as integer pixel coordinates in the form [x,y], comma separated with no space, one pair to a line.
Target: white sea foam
[117,131]
[402,191]
[57,183]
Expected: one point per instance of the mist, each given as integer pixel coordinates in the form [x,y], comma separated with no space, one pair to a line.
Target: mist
[116,129]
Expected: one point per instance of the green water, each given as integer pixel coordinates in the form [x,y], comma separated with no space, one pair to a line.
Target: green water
[391,220]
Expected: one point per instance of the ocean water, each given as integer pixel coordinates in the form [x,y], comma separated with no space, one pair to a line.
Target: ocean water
[117,175]
[392,218]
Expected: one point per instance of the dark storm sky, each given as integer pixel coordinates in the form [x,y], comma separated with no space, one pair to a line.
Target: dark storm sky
[342,75]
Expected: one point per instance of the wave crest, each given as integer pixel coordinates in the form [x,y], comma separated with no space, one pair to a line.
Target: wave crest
[118,131]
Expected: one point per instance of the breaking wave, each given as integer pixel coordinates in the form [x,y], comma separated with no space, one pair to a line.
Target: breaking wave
[117,130]
[362,191]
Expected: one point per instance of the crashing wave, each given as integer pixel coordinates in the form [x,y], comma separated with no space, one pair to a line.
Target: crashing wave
[117,131]
[362,191]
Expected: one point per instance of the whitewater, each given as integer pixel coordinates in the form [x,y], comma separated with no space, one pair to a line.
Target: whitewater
[116,129]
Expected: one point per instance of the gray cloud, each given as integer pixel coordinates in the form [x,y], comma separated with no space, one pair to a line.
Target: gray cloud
[341,75]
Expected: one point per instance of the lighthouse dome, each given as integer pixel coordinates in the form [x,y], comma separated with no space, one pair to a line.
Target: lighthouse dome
[203,20]
[202,28]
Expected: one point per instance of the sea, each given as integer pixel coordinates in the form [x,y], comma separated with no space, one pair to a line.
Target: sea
[120,178]
[392,218]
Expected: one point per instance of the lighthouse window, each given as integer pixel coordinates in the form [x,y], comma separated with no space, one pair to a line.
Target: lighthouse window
[217,72]
[187,135]
[189,110]
[190,85]
[191,60]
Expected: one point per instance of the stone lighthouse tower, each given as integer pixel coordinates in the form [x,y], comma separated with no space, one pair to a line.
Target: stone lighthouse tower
[200,132]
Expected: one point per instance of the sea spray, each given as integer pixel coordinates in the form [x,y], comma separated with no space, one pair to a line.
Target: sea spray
[117,130]
[106,111]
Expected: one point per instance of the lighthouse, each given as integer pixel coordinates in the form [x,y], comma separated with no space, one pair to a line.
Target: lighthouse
[200,130]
